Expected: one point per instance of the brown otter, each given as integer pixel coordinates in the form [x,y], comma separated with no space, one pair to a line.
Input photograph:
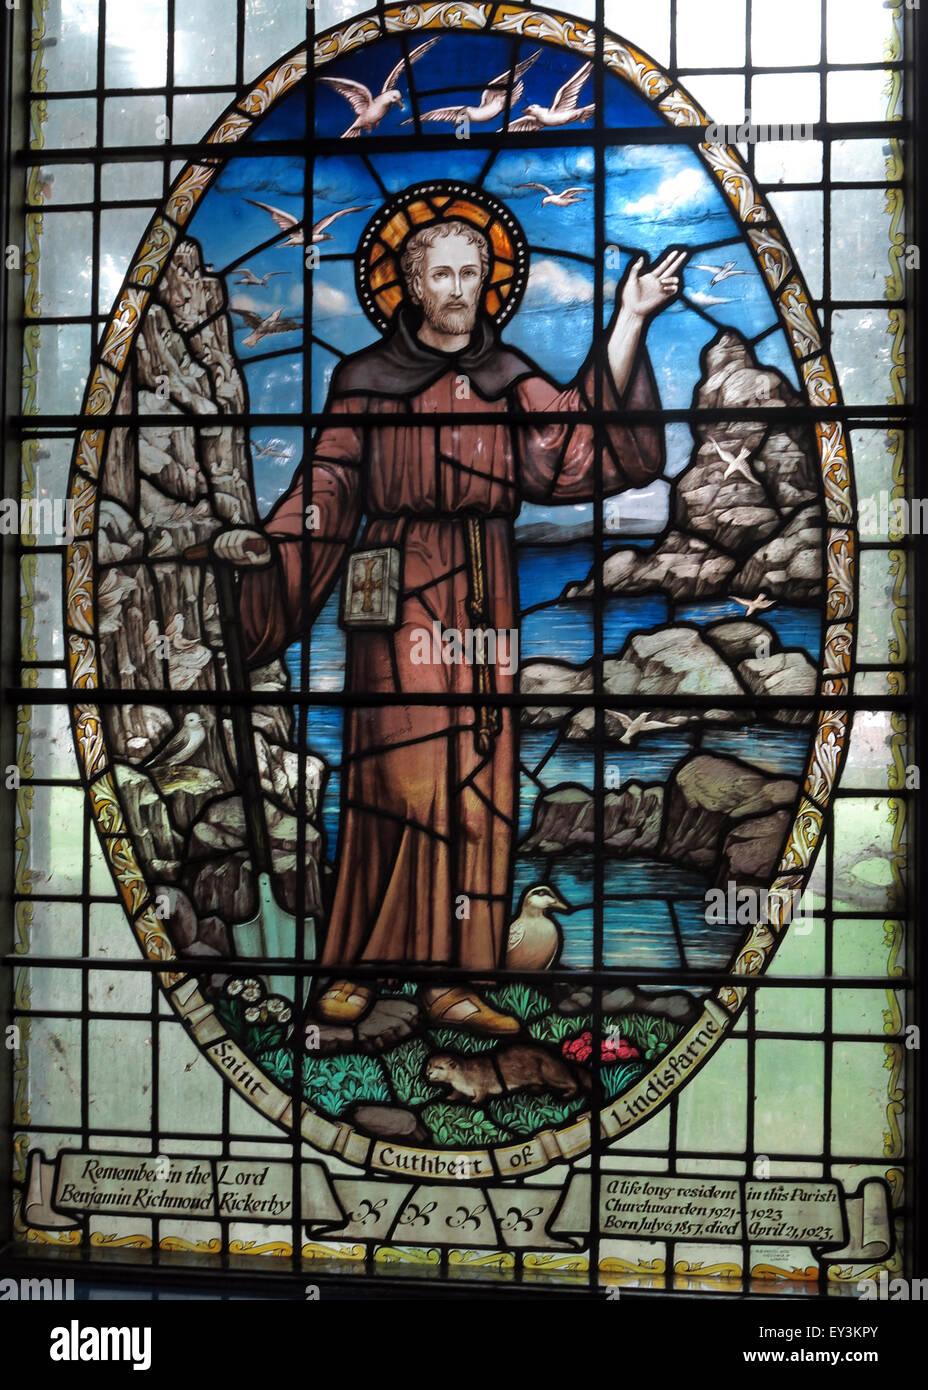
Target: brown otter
[518,1068]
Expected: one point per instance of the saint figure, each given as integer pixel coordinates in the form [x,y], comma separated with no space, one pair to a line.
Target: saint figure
[435,436]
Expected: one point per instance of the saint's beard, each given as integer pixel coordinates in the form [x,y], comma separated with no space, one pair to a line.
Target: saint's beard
[452,321]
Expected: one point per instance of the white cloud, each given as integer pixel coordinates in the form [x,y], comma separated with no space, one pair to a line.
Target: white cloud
[330,302]
[705,301]
[248,301]
[686,188]
[649,503]
[552,280]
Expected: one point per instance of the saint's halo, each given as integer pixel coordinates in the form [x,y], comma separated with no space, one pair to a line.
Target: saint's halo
[381,289]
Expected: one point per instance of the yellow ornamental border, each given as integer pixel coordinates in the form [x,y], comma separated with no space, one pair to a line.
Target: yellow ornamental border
[791,295]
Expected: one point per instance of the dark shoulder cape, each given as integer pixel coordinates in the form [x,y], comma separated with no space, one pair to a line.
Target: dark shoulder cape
[402,365]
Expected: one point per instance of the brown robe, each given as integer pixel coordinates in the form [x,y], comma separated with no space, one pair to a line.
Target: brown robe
[425,852]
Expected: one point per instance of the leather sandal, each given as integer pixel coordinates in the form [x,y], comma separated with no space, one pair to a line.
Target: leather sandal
[344,1002]
[472,1012]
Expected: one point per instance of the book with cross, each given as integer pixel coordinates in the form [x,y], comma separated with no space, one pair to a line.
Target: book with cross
[371,590]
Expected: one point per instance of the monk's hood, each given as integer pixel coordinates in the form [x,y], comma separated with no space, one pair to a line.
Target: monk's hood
[403,365]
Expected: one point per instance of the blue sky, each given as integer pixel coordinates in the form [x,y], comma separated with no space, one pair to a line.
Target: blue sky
[656,196]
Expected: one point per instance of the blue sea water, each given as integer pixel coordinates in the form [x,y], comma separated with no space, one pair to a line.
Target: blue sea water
[564,631]
[654,914]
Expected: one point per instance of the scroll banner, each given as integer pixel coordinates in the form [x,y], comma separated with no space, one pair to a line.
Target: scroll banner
[786,1211]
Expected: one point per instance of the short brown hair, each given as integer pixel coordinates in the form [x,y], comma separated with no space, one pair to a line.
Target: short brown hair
[413,257]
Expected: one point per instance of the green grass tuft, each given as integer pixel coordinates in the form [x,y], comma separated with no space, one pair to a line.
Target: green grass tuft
[406,1065]
[554,1028]
[461,1126]
[652,1036]
[620,1076]
[335,1083]
[454,1040]
[526,1114]
[523,1001]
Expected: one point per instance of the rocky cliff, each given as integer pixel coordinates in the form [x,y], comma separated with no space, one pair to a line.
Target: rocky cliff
[731,657]
[745,514]
[715,814]
[165,487]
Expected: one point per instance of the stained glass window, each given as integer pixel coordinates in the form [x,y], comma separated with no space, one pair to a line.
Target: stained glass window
[460,754]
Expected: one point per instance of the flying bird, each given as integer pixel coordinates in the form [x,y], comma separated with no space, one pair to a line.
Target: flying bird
[492,102]
[737,465]
[369,110]
[288,223]
[754,605]
[264,451]
[557,200]
[720,272]
[563,109]
[641,724]
[182,744]
[248,277]
[263,327]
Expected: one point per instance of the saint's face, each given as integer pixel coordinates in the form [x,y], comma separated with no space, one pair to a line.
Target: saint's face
[450,284]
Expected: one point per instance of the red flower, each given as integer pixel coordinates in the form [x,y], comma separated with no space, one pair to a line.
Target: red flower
[579,1049]
[613,1049]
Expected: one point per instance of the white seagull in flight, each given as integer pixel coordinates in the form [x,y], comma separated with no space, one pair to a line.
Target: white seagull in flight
[720,272]
[735,465]
[369,110]
[492,102]
[263,451]
[557,200]
[263,327]
[641,724]
[753,605]
[288,223]
[248,277]
[563,109]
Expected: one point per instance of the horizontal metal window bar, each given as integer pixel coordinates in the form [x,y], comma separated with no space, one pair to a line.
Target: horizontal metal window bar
[212,89]
[878,414]
[145,1016]
[57,320]
[786,186]
[627,1151]
[89,695]
[203,152]
[243,1278]
[671,977]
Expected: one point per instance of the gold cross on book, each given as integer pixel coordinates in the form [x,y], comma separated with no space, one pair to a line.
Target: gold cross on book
[368,586]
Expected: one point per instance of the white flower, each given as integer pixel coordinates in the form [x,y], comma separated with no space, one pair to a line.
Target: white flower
[251,991]
[233,987]
[253,1014]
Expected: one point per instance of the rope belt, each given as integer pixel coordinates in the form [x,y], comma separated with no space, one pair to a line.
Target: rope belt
[488,718]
